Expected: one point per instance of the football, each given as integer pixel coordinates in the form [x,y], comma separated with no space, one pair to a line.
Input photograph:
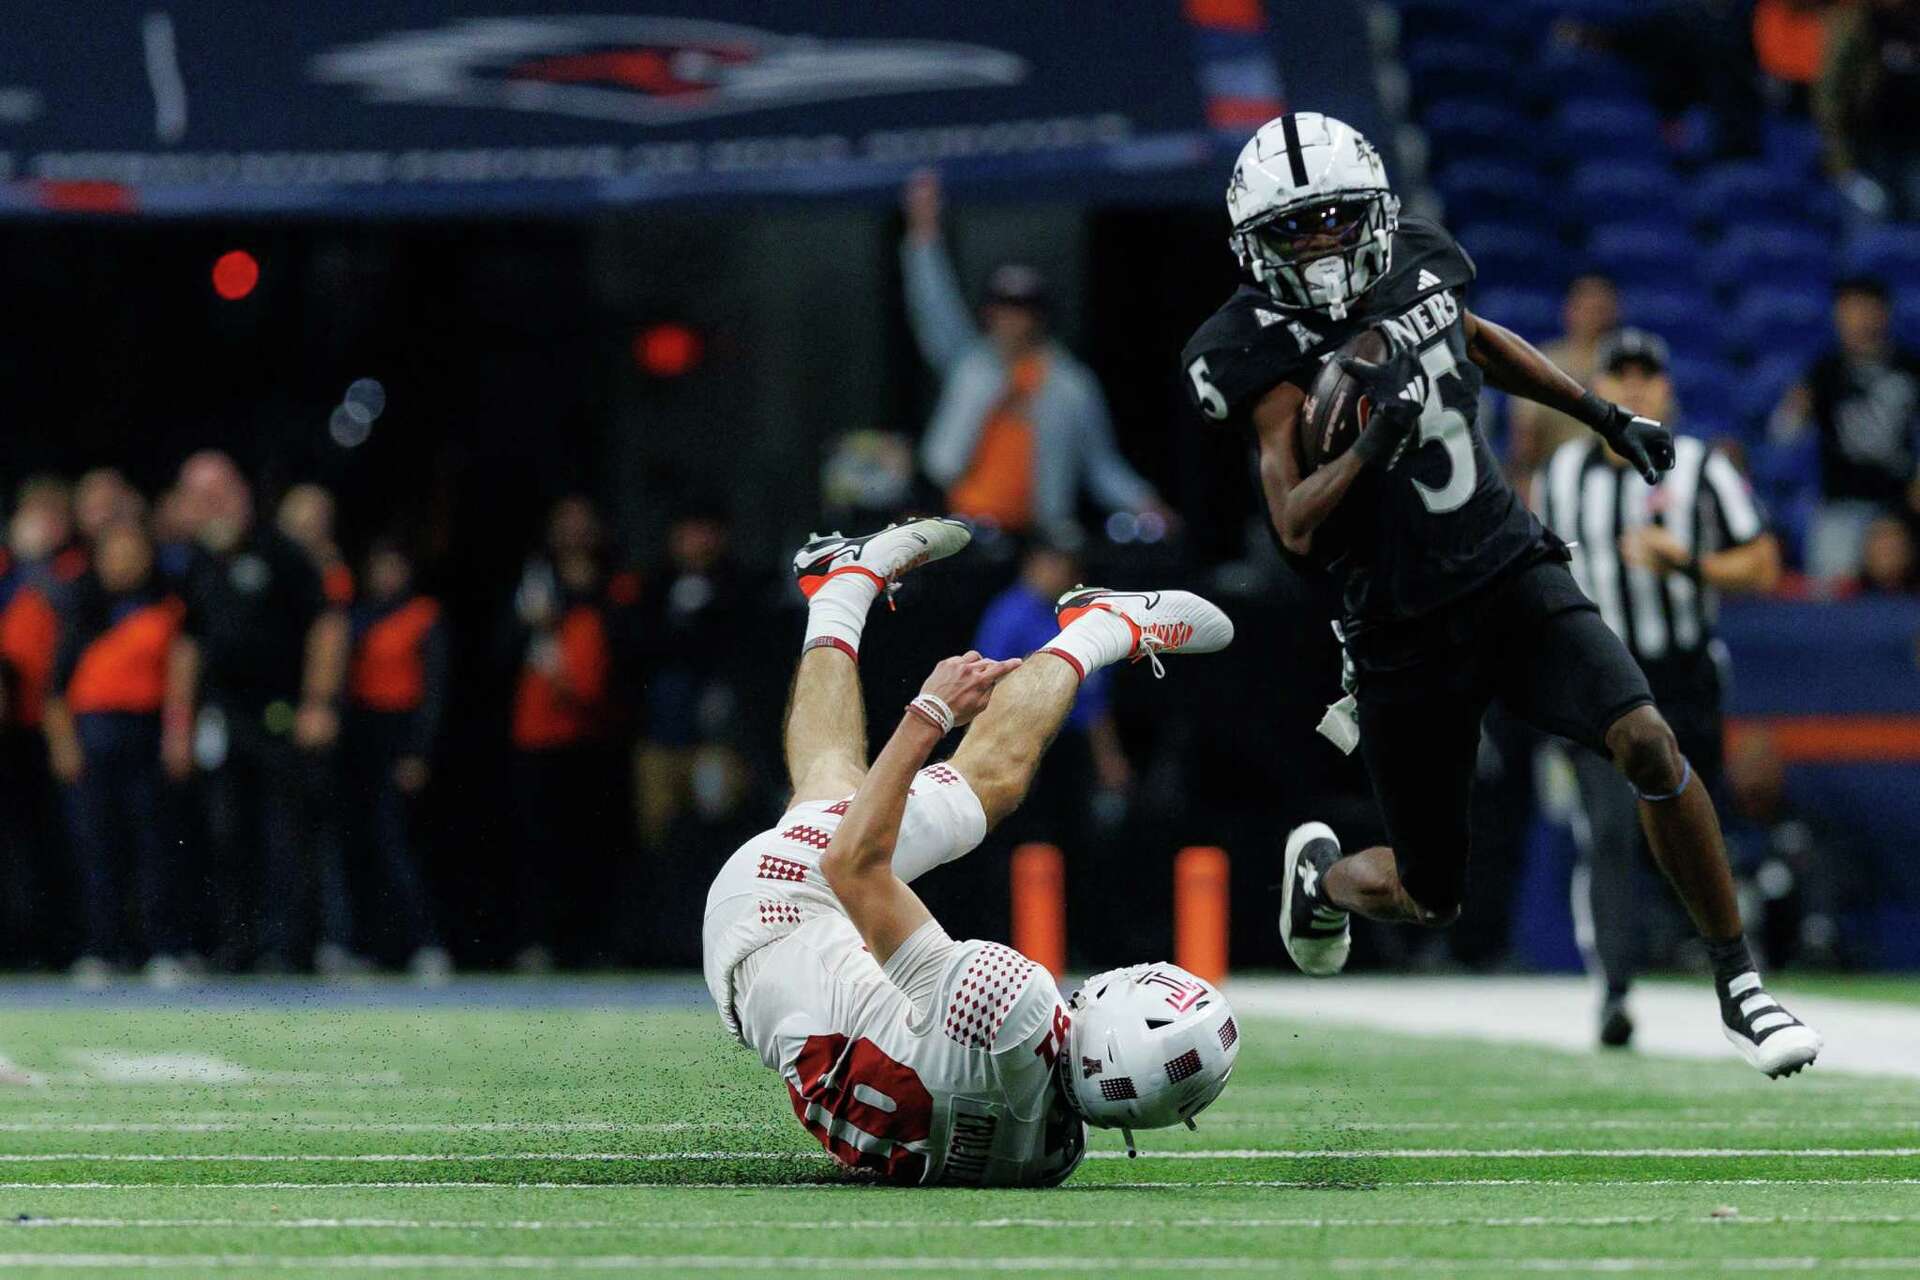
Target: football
[1334,412]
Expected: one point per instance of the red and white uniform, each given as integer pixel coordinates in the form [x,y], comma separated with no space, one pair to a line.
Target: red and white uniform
[937,1067]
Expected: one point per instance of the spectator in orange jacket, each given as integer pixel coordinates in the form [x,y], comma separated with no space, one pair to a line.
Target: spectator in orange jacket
[396,692]
[568,802]
[112,679]
[38,565]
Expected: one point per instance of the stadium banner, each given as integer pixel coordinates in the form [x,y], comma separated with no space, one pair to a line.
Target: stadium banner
[191,107]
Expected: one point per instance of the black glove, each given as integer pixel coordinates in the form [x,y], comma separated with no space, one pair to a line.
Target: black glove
[1396,391]
[1647,445]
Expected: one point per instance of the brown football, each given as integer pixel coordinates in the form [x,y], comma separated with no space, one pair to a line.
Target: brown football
[1332,415]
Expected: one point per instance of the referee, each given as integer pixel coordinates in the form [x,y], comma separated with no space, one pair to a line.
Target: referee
[1655,560]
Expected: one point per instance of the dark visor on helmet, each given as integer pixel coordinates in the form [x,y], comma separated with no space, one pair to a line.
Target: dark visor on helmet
[1315,230]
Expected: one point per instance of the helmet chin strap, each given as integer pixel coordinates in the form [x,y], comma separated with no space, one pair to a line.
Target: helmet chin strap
[1133,1152]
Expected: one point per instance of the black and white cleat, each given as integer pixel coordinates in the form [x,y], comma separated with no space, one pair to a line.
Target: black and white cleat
[1317,934]
[1766,1035]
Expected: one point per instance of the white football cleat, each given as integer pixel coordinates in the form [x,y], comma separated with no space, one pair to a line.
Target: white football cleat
[886,556]
[1765,1034]
[1317,934]
[1162,622]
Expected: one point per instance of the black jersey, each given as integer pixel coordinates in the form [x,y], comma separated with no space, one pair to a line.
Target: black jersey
[1440,519]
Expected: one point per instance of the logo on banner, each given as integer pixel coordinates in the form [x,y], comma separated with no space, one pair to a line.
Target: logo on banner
[647,70]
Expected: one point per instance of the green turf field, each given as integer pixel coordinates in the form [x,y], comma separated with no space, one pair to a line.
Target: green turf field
[298,1138]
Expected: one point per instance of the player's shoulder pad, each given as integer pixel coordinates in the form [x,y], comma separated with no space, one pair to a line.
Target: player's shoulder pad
[1245,349]
[996,998]
[1426,257]
[1032,1015]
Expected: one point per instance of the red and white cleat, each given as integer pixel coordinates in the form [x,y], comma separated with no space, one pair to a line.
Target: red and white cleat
[1162,622]
[886,556]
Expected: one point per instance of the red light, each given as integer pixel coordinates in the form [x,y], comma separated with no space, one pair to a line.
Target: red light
[667,350]
[235,273]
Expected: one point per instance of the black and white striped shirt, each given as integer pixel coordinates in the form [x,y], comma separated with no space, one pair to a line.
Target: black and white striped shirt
[1704,502]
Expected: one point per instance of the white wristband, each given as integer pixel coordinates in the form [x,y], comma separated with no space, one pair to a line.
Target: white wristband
[935,708]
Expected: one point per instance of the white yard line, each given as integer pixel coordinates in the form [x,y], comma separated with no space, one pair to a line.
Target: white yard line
[277,1124]
[1045,1264]
[115,1067]
[974,1224]
[1237,1153]
[1866,1037]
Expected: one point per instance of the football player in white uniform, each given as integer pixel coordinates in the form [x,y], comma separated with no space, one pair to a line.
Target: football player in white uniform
[907,1054]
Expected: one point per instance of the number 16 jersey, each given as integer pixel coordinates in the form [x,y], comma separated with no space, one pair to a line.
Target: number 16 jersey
[1440,520]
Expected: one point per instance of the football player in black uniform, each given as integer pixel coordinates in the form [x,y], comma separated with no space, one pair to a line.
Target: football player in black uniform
[1453,594]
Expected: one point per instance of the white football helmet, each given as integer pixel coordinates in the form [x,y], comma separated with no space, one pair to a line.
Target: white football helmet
[1150,1046]
[1313,218]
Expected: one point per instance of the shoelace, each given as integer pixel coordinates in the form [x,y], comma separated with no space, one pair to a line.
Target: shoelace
[1150,646]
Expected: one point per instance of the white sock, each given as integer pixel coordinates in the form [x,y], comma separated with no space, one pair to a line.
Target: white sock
[837,612]
[1093,640]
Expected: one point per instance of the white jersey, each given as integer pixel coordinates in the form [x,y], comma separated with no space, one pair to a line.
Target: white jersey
[937,1068]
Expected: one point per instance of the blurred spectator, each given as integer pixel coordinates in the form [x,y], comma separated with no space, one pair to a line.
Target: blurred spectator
[1862,398]
[1887,565]
[173,537]
[306,518]
[687,629]
[1591,311]
[568,814]
[103,498]
[1021,424]
[396,694]
[263,658]
[112,679]
[1867,99]
[38,566]
[1086,769]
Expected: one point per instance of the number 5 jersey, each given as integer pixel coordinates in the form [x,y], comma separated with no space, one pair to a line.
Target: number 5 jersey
[1439,520]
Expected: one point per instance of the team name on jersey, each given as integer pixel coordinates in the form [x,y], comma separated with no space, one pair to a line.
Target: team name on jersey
[1425,321]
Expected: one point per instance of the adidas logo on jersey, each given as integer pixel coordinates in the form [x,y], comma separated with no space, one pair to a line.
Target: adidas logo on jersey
[1426,279]
[1302,335]
[1266,317]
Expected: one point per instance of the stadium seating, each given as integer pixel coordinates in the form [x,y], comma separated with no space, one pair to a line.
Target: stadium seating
[1592,128]
[1461,128]
[1531,313]
[1760,251]
[1706,389]
[1514,254]
[1455,69]
[1768,319]
[1751,189]
[1669,310]
[1625,191]
[1644,253]
[1557,162]
[1890,252]
[1496,191]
